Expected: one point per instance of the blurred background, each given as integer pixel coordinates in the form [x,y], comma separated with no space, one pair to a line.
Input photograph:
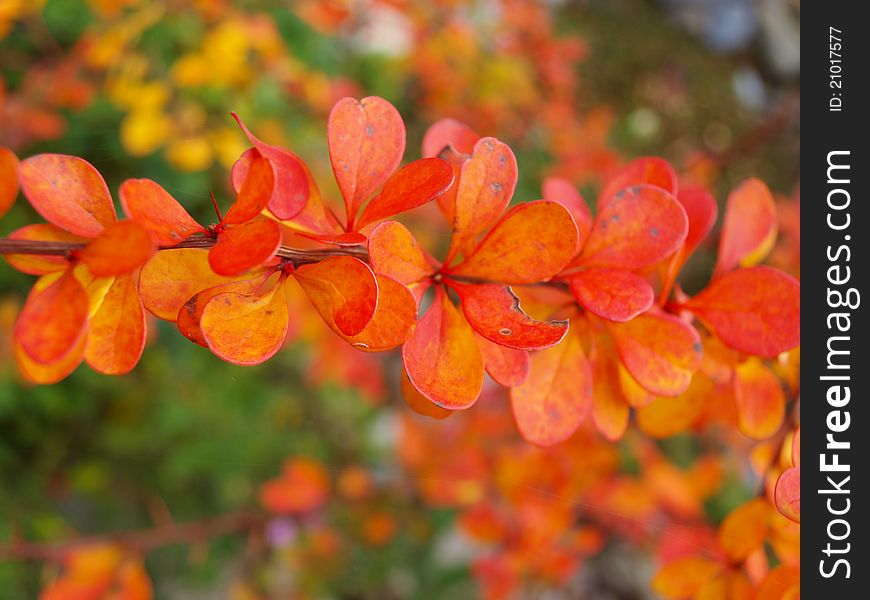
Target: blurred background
[391,505]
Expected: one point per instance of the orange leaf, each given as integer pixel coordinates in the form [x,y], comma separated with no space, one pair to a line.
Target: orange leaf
[749,229]
[242,247]
[609,408]
[69,192]
[303,486]
[292,185]
[411,186]
[563,191]
[442,357]
[642,171]
[9,167]
[394,251]
[787,494]
[782,583]
[116,333]
[449,132]
[190,315]
[419,403]
[147,203]
[744,529]
[47,374]
[612,294]
[532,242]
[665,417]
[494,312]
[755,310]
[556,396]
[35,264]
[682,578]
[506,366]
[172,277]
[660,351]
[393,321]
[53,320]
[701,210]
[344,291]
[121,248]
[255,192]
[366,144]
[246,330]
[637,227]
[760,399]
[486,185]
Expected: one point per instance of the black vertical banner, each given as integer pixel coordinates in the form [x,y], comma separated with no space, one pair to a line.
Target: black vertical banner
[835,356]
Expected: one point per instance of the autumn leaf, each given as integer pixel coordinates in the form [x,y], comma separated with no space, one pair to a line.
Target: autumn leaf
[69,192]
[507,366]
[442,357]
[9,167]
[419,403]
[255,192]
[750,226]
[344,291]
[681,579]
[246,329]
[121,248]
[787,494]
[366,144]
[53,320]
[661,351]
[303,486]
[556,396]
[755,310]
[744,529]
[393,321]
[563,191]
[242,247]
[532,242]
[611,294]
[411,186]
[652,171]
[116,333]
[394,251]
[147,203]
[494,312]
[37,264]
[760,399]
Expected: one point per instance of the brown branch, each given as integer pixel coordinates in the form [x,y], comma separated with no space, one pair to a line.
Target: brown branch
[296,255]
[140,541]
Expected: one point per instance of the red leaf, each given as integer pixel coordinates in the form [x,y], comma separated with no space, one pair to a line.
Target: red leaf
[53,320]
[394,251]
[419,403]
[366,144]
[609,408]
[246,330]
[36,264]
[760,400]
[556,396]
[563,191]
[9,167]
[292,184]
[147,203]
[642,171]
[660,351]
[242,247]
[485,188]
[755,310]
[749,229]
[344,291]
[701,210]
[449,132]
[393,321]
[507,366]
[532,242]
[411,186]
[255,193]
[121,248]
[116,333]
[442,357]
[637,227]
[494,312]
[612,294]
[787,494]
[47,374]
[69,192]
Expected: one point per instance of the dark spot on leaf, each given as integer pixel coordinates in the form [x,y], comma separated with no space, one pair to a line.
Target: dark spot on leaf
[654,232]
[489,145]
[615,218]
[505,331]
[496,186]
[502,159]
[696,346]
[370,130]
